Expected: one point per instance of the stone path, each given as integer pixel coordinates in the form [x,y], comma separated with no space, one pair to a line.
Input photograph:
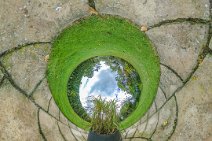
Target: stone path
[180,30]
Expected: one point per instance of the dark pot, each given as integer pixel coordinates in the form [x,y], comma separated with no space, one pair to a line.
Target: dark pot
[92,136]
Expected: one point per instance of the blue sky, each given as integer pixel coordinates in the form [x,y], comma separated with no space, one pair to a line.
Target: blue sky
[102,83]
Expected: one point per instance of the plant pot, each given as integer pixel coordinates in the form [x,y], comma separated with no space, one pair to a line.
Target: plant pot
[92,136]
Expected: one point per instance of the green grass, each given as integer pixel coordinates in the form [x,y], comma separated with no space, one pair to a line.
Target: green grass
[104,118]
[102,36]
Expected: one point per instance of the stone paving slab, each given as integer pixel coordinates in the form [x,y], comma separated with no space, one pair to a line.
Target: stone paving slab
[166,122]
[53,109]
[195,105]
[27,66]
[66,131]
[63,119]
[24,21]
[150,12]
[169,81]
[49,127]
[42,95]
[160,99]
[18,116]
[179,45]
[158,123]
[78,135]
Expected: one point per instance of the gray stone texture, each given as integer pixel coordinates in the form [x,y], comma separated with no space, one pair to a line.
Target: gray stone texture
[49,127]
[169,81]
[63,119]
[179,45]
[160,98]
[153,11]
[166,121]
[79,135]
[18,116]
[66,131]
[53,109]
[42,95]
[27,65]
[160,120]
[55,130]
[24,21]
[195,107]
[147,128]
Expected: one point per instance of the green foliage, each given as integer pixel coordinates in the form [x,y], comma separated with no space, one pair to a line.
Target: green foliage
[127,78]
[126,109]
[84,69]
[104,118]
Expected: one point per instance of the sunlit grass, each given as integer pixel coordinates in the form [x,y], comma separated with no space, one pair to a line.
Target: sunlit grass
[102,36]
[104,118]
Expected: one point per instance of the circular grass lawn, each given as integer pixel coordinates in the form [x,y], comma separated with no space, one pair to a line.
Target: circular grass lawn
[102,36]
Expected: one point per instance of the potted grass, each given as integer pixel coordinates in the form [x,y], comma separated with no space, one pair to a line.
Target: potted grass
[104,121]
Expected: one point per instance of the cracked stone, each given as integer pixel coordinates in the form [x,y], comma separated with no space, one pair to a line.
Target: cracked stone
[150,112]
[27,65]
[63,119]
[179,45]
[169,81]
[123,134]
[49,127]
[53,109]
[166,121]
[158,102]
[130,132]
[66,131]
[79,136]
[31,21]
[147,128]
[140,129]
[151,11]
[18,116]
[72,126]
[160,98]
[83,132]
[42,95]
[85,136]
[151,125]
[195,107]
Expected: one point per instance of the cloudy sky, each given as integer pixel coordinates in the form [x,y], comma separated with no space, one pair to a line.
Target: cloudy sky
[102,83]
